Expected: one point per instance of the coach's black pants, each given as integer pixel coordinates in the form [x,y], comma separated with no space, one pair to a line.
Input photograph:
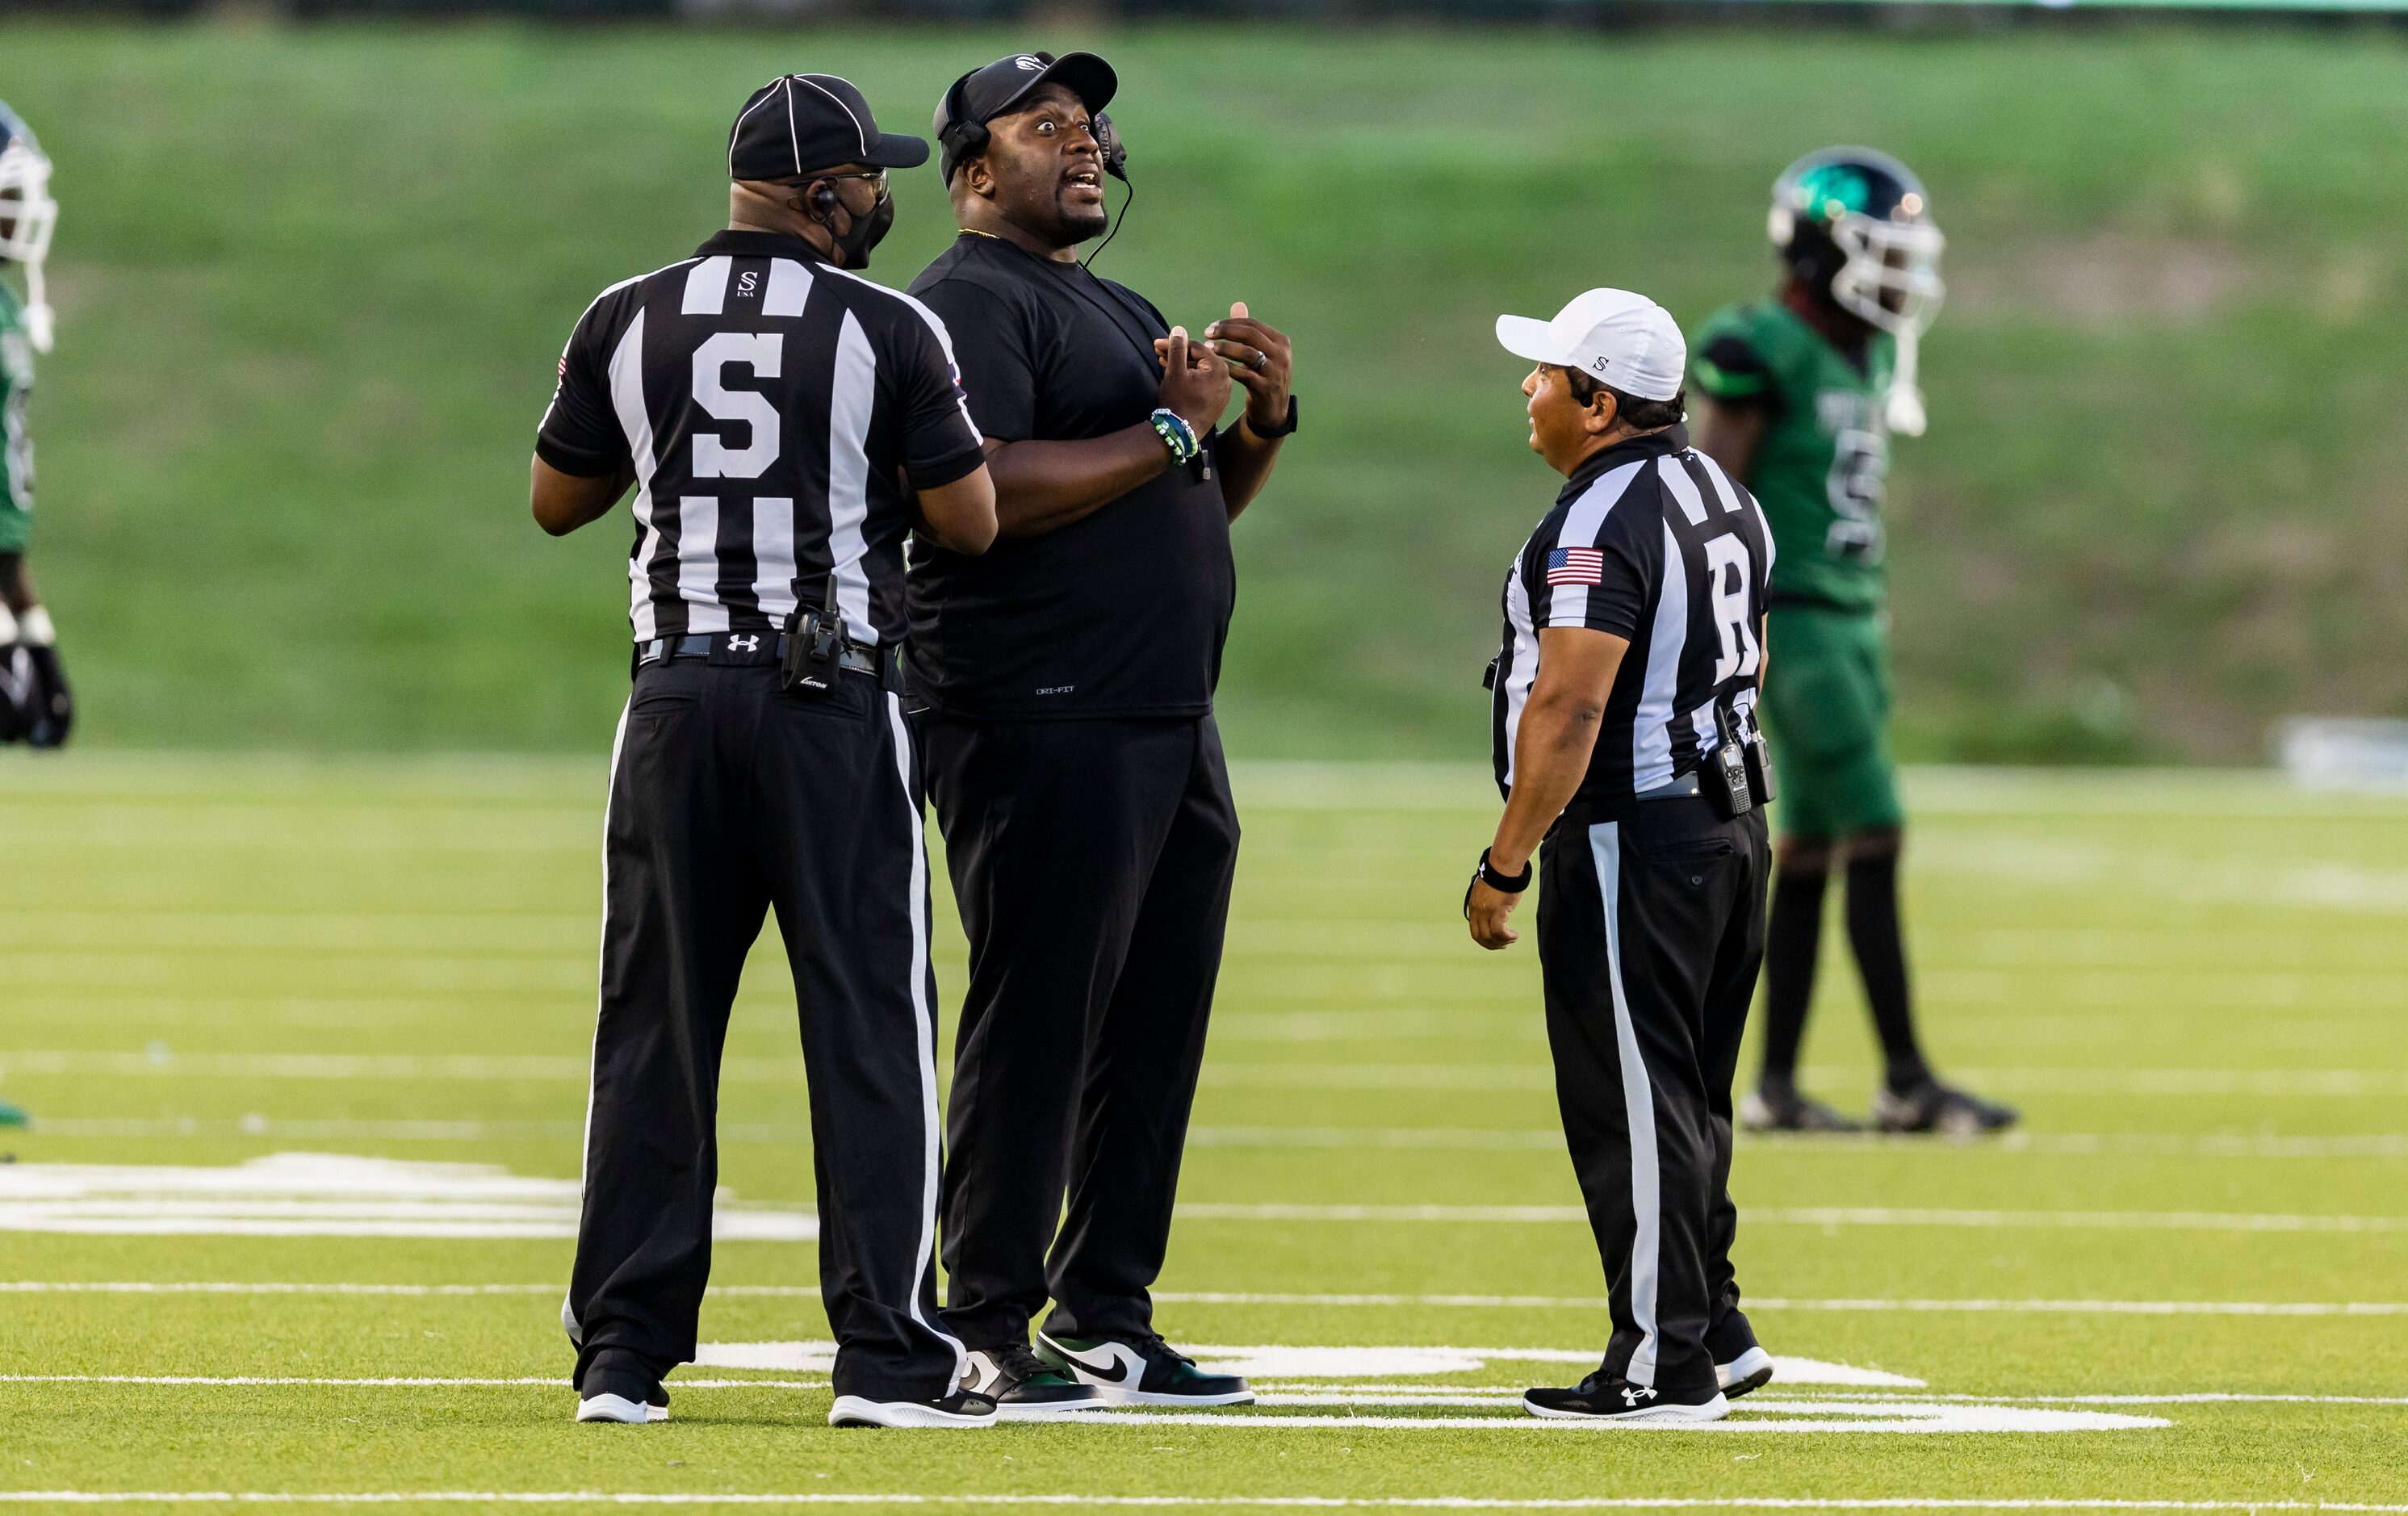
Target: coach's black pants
[1092,860]
[1651,928]
[727,797]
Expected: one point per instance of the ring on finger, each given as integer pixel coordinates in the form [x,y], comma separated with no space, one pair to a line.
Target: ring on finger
[1261,361]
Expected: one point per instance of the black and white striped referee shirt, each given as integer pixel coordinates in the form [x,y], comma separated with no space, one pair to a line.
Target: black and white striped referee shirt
[1651,541]
[771,406]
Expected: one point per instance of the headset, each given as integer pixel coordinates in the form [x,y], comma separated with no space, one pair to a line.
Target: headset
[959,139]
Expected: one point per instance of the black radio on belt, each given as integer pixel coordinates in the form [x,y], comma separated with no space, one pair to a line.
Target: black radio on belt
[814,647]
[1724,782]
[1759,762]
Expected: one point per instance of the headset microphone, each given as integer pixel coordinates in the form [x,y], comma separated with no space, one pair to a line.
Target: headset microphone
[1115,153]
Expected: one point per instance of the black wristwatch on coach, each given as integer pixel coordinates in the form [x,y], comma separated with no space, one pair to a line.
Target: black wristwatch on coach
[1286,427]
[1503,883]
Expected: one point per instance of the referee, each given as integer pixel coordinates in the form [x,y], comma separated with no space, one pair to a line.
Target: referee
[1634,627]
[767,404]
[1076,771]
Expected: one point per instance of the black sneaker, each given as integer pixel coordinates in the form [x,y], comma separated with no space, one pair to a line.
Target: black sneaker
[1143,1371]
[1942,1108]
[1750,1371]
[1768,1110]
[1022,1387]
[607,1397]
[959,1409]
[1603,1397]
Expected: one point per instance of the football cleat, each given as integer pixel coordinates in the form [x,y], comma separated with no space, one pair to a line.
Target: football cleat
[1941,1108]
[959,1409]
[1750,1371]
[1791,1111]
[1604,1397]
[1144,1371]
[1023,1388]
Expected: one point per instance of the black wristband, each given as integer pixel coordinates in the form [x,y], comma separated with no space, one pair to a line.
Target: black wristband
[1503,883]
[1287,426]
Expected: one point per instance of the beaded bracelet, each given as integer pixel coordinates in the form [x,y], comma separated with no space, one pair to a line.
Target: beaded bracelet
[1176,434]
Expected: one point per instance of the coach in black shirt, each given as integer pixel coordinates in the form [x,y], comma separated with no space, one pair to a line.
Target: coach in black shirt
[1068,678]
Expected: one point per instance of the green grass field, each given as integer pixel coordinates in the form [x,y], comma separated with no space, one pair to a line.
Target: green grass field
[2193,985]
[312,282]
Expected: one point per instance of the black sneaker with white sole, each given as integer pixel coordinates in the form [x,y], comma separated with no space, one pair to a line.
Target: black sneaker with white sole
[1023,1388]
[1603,1397]
[624,1398]
[1750,1371]
[959,1409]
[1141,1371]
[1941,1108]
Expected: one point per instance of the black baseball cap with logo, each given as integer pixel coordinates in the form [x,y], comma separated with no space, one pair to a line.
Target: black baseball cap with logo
[982,94]
[800,123]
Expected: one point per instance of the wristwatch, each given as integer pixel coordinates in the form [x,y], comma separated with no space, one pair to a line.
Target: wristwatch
[1283,429]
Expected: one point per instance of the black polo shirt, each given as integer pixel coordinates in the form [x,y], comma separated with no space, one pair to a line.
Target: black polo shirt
[1124,612]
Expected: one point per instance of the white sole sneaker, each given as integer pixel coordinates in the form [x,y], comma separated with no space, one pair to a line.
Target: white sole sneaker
[1713,1411]
[1751,1370]
[856,1411]
[615,1407]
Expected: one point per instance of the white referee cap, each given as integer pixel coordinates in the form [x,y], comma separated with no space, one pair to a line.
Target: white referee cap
[1612,335]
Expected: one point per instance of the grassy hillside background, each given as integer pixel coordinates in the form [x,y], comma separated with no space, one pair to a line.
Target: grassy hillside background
[312,283]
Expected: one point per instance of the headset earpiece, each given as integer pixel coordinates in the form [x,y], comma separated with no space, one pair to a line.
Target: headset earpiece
[955,138]
[823,200]
[1116,151]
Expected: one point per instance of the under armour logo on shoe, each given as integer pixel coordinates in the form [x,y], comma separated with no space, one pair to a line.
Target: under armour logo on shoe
[744,644]
[1633,1394]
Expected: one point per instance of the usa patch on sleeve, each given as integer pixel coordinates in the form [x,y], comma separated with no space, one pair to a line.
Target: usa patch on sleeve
[1576,566]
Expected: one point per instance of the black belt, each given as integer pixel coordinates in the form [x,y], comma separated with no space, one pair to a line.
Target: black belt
[757,647]
[1679,789]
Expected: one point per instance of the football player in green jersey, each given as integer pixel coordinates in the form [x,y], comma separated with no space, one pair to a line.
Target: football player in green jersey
[36,706]
[1798,396]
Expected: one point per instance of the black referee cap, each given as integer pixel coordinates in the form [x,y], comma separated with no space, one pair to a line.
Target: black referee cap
[798,124]
[996,90]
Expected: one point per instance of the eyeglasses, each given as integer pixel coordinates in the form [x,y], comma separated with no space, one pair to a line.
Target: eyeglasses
[877,178]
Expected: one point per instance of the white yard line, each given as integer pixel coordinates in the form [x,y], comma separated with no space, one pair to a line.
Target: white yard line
[1869,1305]
[2177,1220]
[2040,1144]
[2328,1082]
[836,1497]
[1268,1394]
[1229,1298]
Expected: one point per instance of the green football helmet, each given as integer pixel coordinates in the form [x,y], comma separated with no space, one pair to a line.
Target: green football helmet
[1856,224]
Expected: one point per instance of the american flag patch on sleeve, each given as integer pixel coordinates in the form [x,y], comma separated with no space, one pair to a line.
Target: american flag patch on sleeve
[1576,566]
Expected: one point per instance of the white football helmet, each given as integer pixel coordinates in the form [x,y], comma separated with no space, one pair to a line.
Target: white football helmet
[27,217]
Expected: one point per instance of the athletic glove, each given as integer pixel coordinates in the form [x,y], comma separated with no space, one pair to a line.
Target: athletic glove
[54,705]
[19,693]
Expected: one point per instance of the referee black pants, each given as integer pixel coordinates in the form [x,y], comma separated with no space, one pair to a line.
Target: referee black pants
[1092,861]
[1650,929]
[728,797]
